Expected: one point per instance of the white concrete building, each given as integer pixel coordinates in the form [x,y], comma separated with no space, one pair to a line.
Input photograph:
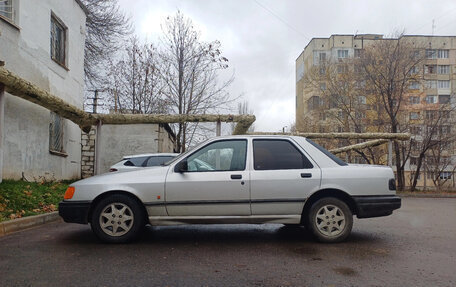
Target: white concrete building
[42,42]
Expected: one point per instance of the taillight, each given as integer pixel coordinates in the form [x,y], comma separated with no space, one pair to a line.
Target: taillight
[113,169]
[69,192]
[392,184]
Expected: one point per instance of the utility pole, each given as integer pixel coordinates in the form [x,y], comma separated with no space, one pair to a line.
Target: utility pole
[95,102]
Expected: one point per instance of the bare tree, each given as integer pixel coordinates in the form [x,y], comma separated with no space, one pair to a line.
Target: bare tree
[134,82]
[189,68]
[388,67]
[431,144]
[106,26]
[343,103]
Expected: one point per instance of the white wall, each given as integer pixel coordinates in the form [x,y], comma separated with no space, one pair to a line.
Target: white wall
[26,52]
[117,141]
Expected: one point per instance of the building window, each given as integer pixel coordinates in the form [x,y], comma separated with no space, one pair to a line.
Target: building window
[358,53]
[443,54]
[430,69]
[322,56]
[444,130]
[56,133]
[431,84]
[414,86]
[6,9]
[414,100]
[443,69]
[414,115]
[413,160]
[445,175]
[342,54]
[341,69]
[322,70]
[444,84]
[431,99]
[58,41]
[414,70]
[415,130]
[322,86]
[444,99]
[362,99]
[430,115]
[431,54]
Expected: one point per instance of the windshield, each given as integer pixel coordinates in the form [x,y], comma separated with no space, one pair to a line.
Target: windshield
[327,153]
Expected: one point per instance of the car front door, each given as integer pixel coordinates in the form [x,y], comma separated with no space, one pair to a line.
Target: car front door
[212,181]
[282,177]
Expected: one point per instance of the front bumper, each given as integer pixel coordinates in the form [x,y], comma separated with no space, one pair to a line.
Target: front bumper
[377,205]
[75,211]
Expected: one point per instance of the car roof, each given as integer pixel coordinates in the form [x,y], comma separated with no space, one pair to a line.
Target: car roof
[149,154]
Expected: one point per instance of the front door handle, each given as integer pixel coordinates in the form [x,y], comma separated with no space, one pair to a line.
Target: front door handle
[306,175]
[236,176]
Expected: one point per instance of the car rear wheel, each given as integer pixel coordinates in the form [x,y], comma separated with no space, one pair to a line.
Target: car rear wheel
[330,220]
[117,219]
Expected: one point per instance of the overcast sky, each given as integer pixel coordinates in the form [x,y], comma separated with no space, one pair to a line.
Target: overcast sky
[263,38]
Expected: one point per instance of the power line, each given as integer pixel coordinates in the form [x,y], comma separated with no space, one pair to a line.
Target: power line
[433,20]
[281,19]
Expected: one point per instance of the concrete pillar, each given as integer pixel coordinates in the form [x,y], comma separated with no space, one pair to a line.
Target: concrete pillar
[2,122]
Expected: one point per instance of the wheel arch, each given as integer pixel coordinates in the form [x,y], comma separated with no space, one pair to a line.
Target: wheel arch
[329,192]
[100,197]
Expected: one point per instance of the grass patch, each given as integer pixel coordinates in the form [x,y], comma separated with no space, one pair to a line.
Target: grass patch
[20,198]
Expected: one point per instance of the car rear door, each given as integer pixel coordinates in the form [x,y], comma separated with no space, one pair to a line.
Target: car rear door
[282,177]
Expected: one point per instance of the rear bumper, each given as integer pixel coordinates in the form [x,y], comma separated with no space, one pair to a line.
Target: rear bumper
[75,211]
[377,205]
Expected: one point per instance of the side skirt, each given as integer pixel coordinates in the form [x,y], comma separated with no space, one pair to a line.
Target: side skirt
[251,219]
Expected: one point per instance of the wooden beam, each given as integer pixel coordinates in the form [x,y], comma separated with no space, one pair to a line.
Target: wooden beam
[28,91]
[359,146]
[24,89]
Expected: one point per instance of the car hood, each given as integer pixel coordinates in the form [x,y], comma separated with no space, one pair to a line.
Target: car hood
[148,174]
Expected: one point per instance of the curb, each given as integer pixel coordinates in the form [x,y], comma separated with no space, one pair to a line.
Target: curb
[418,195]
[19,224]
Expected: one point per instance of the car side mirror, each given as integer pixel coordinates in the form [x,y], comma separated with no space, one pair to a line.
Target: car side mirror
[181,166]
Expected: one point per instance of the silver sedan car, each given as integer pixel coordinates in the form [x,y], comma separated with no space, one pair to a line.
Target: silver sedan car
[236,179]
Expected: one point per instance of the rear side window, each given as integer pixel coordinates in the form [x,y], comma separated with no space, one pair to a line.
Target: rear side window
[278,154]
[135,161]
[158,160]
[327,153]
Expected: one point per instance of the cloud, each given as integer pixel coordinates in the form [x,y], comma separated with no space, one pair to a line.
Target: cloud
[262,38]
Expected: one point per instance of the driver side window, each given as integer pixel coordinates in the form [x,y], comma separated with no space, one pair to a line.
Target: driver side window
[229,155]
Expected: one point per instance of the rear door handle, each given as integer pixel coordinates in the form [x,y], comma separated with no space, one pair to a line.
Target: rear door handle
[236,176]
[306,175]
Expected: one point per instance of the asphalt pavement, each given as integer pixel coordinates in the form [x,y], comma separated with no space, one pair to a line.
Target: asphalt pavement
[416,246]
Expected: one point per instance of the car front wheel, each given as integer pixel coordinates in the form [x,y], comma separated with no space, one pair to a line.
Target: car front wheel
[117,219]
[330,220]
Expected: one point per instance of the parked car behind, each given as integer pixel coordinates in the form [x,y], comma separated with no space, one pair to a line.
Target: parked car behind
[236,179]
[132,162]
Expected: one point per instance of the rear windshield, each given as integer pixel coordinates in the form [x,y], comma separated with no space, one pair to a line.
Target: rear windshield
[326,152]
[135,161]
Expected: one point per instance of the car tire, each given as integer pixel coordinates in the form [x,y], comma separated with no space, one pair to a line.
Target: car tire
[117,218]
[330,220]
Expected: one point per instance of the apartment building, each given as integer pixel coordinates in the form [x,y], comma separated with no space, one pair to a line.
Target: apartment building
[434,88]
[43,43]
